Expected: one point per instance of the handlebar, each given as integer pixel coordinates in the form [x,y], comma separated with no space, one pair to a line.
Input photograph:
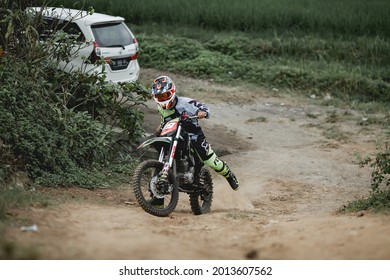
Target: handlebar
[185,117]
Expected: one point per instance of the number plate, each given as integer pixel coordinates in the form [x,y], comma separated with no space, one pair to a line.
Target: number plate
[120,63]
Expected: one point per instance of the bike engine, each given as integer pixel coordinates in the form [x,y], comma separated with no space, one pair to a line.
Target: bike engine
[182,166]
[189,176]
[185,172]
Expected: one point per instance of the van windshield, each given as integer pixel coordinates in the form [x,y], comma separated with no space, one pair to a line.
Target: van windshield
[112,34]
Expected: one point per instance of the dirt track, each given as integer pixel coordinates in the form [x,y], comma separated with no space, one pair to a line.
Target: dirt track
[293,179]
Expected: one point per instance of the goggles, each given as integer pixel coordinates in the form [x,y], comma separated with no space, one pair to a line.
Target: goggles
[163,96]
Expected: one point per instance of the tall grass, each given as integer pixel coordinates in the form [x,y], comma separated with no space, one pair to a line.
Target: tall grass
[338,47]
[357,17]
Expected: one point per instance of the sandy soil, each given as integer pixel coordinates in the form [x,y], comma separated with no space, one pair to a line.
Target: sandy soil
[293,181]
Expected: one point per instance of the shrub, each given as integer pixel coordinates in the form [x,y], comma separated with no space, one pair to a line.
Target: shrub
[380,164]
[57,125]
[379,198]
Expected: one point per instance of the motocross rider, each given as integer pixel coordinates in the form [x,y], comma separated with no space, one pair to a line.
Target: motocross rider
[171,106]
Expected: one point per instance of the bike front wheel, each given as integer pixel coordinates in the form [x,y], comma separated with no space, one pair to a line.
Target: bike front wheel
[145,180]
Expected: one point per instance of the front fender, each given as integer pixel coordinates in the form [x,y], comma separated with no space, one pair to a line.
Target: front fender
[153,140]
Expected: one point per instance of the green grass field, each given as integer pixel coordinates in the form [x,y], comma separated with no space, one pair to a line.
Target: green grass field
[358,17]
[341,48]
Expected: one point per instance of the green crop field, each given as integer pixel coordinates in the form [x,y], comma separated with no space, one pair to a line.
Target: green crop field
[357,17]
[338,47]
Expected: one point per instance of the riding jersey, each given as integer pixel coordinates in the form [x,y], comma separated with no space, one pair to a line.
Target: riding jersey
[198,139]
[192,107]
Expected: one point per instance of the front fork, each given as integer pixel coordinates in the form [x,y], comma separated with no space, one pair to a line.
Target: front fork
[171,156]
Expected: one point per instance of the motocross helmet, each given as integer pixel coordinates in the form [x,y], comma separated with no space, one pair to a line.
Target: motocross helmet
[164,92]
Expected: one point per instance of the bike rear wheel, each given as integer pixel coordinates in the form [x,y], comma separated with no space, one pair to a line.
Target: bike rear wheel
[202,198]
[144,180]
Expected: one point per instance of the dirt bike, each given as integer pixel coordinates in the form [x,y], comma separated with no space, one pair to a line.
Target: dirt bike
[157,182]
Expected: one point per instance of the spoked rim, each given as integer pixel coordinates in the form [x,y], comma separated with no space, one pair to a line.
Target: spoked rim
[154,199]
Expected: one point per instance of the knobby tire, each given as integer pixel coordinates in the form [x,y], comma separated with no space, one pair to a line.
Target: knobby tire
[140,187]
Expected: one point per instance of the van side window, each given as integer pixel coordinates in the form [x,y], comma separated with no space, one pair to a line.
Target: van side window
[50,26]
[46,29]
[72,29]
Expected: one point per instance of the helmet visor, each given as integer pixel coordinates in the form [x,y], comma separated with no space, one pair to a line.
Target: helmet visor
[163,96]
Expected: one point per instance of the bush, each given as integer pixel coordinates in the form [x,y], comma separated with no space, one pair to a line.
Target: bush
[379,199]
[377,202]
[380,164]
[55,125]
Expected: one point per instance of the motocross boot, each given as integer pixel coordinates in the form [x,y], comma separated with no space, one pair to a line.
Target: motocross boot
[157,202]
[229,176]
[232,179]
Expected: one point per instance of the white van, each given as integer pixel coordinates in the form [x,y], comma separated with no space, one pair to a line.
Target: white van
[100,36]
